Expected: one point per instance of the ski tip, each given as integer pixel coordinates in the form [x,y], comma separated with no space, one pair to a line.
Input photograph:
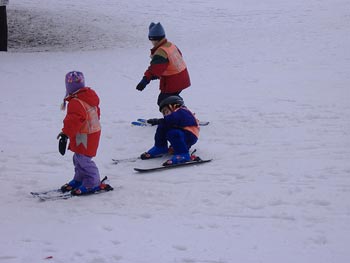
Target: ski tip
[142,170]
[136,123]
[204,123]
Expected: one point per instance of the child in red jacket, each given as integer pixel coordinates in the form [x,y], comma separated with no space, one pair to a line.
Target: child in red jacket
[82,126]
[167,65]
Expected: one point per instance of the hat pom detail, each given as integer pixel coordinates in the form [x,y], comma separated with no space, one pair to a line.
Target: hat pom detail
[74,81]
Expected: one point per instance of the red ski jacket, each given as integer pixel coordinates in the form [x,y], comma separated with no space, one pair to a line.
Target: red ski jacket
[82,122]
[168,65]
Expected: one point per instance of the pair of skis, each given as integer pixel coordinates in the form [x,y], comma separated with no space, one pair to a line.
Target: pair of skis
[144,123]
[50,195]
[57,194]
[194,161]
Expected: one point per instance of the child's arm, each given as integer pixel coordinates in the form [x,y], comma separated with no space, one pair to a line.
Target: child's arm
[74,119]
[180,118]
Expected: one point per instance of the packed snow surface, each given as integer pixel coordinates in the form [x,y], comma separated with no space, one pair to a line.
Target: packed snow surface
[272,77]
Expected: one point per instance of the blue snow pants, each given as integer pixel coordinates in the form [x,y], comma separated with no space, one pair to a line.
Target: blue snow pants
[180,140]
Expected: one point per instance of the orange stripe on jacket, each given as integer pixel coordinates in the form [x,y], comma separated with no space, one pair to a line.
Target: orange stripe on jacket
[176,62]
[193,129]
[92,122]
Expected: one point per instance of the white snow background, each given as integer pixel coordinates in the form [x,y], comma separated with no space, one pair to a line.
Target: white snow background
[272,77]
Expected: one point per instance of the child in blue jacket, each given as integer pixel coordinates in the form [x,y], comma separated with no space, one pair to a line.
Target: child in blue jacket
[178,126]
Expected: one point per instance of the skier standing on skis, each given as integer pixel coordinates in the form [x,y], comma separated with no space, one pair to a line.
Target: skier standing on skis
[179,126]
[167,65]
[82,126]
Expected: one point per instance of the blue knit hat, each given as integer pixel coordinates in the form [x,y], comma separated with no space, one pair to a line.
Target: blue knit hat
[156,31]
[74,81]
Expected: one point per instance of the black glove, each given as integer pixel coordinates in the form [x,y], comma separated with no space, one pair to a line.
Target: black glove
[142,85]
[155,121]
[62,143]
[154,77]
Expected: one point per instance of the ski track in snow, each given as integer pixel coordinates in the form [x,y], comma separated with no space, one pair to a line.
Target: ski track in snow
[272,79]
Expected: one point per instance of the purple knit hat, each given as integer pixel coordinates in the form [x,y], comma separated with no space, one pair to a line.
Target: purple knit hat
[74,81]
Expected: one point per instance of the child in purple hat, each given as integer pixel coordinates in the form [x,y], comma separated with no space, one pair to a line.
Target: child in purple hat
[82,127]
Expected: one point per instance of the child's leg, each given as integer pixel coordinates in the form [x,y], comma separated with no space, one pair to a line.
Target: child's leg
[190,139]
[77,180]
[181,143]
[176,137]
[160,137]
[87,170]
[160,144]
[78,176]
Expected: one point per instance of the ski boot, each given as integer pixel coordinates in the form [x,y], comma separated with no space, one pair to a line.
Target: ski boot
[154,152]
[82,190]
[70,186]
[178,158]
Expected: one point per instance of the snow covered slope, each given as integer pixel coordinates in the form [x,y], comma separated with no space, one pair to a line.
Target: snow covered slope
[271,76]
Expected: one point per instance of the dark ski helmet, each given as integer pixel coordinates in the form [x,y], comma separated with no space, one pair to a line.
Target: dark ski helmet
[171,100]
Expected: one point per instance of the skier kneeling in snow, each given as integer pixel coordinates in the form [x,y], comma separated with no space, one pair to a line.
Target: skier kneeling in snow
[179,127]
[82,126]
